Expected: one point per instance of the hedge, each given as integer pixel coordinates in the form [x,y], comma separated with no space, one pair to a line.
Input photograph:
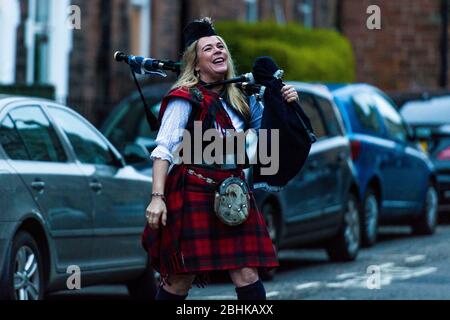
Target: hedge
[304,54]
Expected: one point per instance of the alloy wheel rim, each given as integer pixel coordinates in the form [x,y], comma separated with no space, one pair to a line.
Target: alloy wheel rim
[431,207]
[270,221]
[352,226]
[26,275]
[371,214]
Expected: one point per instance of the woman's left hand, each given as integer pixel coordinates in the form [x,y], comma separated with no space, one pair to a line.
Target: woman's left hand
[289,93]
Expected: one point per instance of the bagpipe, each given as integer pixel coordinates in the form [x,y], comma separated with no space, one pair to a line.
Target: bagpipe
[265,83]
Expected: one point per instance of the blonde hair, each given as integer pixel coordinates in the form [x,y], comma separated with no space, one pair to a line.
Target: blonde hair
[188,79]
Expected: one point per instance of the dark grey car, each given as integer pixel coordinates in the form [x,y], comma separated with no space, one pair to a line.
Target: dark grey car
[318,207]
[68,203]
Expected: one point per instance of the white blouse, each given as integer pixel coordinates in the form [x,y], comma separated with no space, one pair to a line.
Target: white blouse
[175,119]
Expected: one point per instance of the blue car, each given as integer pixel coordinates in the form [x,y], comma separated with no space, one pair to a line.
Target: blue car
[396,179]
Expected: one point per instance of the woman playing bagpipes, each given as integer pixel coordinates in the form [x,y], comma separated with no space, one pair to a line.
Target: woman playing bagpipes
[193,226]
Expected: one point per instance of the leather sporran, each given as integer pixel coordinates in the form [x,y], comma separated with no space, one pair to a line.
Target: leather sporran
[232,201]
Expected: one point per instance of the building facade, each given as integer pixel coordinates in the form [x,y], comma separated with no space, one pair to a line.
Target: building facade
[406,53]
[39,47]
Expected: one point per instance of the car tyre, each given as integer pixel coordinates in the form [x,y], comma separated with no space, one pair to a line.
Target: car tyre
[23,277]
[272,222]
[370,214]
[427,222]
[144,287]
[345,245]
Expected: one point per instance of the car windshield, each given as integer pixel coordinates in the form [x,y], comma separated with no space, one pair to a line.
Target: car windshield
[129,124]
[144,135]
[432,112]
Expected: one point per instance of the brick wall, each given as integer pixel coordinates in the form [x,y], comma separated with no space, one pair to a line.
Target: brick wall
[166,18]
[83,77]
[325,14]
[402,56]
[96,81]
[218,10]
[324,11]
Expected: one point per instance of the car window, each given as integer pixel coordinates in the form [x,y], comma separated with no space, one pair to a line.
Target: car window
[37,134]
[145,136]
[391,118]
[11,141]
[130,125]
[332,123]
[365,112]
[88,146]
[308,105]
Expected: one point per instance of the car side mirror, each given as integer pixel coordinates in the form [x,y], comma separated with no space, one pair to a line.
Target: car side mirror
[135,153]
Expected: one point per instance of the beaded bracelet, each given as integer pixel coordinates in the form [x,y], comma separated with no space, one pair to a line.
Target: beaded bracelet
[157,194]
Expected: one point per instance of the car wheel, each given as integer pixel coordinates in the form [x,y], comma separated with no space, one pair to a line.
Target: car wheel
[143,287]
[369,218]
[25,272]
[270,217]
[427,222]
[345,246]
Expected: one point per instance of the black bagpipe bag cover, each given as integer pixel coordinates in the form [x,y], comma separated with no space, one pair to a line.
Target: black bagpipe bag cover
[291,121]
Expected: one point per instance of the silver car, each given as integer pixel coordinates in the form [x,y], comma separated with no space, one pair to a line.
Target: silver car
[71,209]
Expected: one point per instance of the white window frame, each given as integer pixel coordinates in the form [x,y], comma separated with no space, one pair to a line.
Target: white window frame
[251,10]
[145,26]
[33,28]
[60,45]
[306,9]
[9,21]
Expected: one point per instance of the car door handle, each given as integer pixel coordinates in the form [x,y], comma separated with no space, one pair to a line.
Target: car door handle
[96,186]
[38,185]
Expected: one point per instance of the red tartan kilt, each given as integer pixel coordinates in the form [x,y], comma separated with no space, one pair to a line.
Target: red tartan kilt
[203,242]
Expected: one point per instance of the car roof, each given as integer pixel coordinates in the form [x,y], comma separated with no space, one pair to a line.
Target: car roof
[7,99]
[435,111]
[347,88]
[313,88]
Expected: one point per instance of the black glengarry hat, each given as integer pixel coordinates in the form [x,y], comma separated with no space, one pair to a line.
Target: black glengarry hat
[196,30]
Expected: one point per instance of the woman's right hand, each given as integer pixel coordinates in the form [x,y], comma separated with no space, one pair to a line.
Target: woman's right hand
[156,212]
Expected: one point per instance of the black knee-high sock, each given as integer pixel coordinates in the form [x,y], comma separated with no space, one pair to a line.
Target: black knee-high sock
[164,295]
[253,291]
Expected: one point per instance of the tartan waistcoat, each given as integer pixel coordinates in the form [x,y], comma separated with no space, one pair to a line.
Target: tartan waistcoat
[207,108]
